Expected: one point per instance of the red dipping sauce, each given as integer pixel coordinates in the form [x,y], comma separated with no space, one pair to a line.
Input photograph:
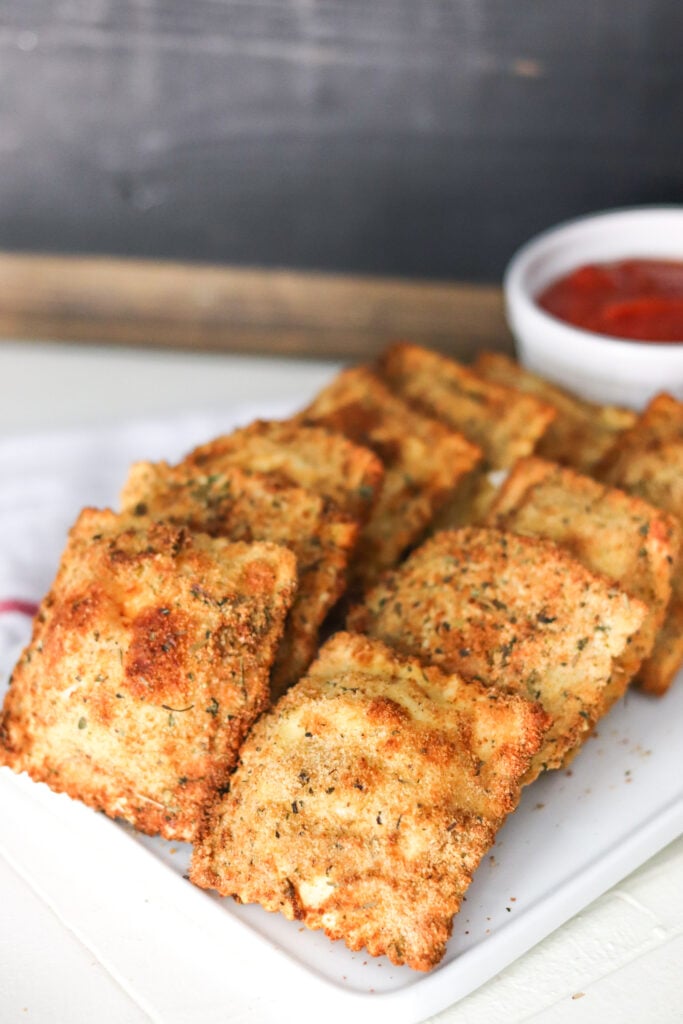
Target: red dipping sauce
[637,299]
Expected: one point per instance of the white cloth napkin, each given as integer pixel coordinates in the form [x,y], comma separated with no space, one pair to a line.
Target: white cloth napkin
[46,479]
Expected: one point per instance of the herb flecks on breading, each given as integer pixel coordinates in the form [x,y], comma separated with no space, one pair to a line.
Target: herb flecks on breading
[647,461]
[149,661]
[505,423]
[517,613]
[424,463]
[246,506]
[608,530]
[580,433]
[364,801]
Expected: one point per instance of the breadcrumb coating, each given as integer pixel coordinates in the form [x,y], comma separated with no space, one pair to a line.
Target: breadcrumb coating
[580,433]
[608,530]
[247,506]
[512,612]
[149,661]
[505,423]
[364,801]
[424,463]
[647,461]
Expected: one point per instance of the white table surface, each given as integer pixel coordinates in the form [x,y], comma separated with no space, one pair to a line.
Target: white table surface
[619,960]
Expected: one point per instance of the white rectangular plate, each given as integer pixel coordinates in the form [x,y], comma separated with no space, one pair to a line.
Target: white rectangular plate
[185,954]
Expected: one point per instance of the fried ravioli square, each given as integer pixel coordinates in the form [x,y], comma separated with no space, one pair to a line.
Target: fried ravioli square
[247,506]
[581,431]
[505,423]
[517,613]
[647,461]
[609,531]
[323,461]
[149,660]
[424,463]
[365,799]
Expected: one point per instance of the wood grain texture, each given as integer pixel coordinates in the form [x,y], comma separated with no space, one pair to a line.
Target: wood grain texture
[139,302]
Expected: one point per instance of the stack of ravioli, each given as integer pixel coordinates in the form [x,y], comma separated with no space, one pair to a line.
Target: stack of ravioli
[330,653]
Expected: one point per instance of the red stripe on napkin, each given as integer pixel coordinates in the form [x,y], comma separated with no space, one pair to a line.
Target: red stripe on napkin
[23,607]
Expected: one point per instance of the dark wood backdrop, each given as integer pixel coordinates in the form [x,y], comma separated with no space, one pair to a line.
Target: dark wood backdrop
[402,137]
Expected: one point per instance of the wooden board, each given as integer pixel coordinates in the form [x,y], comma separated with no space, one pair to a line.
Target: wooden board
[277,312]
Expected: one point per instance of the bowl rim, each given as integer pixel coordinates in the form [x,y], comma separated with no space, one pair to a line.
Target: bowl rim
[516,293]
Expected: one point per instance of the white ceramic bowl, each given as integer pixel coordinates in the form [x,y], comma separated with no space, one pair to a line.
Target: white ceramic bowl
[595,366]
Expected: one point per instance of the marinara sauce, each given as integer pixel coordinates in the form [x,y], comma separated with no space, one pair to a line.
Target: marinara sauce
[635,298]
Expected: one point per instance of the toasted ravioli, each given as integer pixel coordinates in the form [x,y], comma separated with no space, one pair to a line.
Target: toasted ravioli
[364,801]
[505,423]
[581,431]
[424,463]
[647,461]
[149,660]
[513,612]
[252,506]
[312,457]
[609,531]
[470,504]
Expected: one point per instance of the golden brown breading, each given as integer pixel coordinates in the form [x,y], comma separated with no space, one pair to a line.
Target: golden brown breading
[581,432]
[609,531]
[470,504]
[312,457]
[647,461]
[252,506]
[505,423]
[424,463]
[364,801]
[149,661]
[512,612]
